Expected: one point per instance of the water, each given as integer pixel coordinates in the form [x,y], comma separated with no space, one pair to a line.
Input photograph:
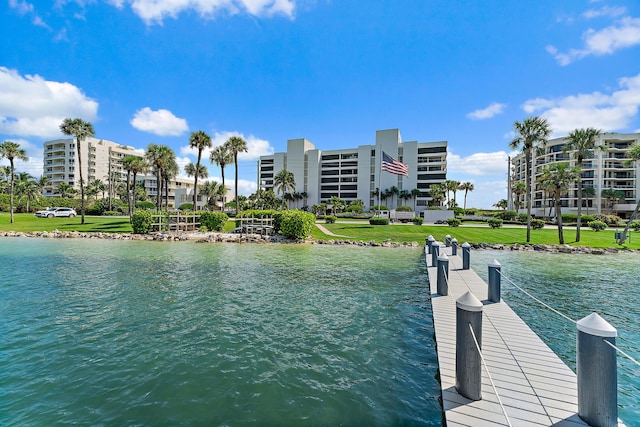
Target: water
[98,332]
[577,285]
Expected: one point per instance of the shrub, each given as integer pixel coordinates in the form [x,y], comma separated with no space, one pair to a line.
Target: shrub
[597,225]
[354,209]
[141,222]
[507,215]
[404,209]
[330,219]
[586,219]
[458,211]
[379,221]
[379,208]
[186,207]
[417,220]
[454,222]
[494,222]
[145,205]
[635,225]
[607,219]
[472,211]
[522,217]
[112,213]
[214,221]
[297,224]
[537,224]
[257,213]
[569,217]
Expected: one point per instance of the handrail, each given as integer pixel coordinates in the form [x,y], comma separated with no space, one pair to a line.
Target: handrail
[495,390]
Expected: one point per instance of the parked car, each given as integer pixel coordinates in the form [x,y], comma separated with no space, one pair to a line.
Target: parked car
[51,212]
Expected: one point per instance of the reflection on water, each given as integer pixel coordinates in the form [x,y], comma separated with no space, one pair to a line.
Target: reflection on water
[577,285]
[148,333]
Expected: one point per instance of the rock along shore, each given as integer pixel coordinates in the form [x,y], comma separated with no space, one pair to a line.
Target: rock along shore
[200,237]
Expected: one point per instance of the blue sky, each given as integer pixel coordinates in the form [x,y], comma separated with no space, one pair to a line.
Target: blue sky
[331,71]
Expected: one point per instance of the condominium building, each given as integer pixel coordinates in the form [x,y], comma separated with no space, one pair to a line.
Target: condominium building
[102,159]
[607,169]
[355,173]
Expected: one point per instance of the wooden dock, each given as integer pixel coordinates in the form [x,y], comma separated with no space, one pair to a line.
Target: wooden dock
[535,386]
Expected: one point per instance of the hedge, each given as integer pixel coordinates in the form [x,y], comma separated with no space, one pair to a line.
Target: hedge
[214,221]
[297,224]
[141,222]
[379,221]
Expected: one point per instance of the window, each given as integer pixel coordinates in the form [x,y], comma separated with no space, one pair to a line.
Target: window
[330,157]
[432,150]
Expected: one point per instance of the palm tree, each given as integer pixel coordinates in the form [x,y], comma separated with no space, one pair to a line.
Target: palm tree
[236,145]
[198,140]
[532,132]
[30,190]
[588,193]
[11,151]
[451,186]
[127,162]
[393,192]
[221,156]
[81,130]
[557,178]
[169,172]
[283,181]
[66,190]
[437,193]
[519,189]
[193,170]
[582,142]
[213,190]
[633,156]
[42,182]
[415,193]
[466,187]
[404,195]
[159,158]
[501,204]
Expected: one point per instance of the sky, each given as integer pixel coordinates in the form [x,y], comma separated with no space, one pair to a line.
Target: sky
[331,71]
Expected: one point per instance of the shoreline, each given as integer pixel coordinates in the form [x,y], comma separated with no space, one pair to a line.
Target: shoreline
[213,237]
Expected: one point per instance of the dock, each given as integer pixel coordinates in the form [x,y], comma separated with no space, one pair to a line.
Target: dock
[535,386]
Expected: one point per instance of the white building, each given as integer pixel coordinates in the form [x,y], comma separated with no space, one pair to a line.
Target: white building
[101,159]
[355,173]
[607,169]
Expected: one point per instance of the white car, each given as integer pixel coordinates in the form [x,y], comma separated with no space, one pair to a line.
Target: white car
[51,212]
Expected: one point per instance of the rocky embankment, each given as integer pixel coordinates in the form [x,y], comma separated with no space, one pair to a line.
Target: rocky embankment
[254,238]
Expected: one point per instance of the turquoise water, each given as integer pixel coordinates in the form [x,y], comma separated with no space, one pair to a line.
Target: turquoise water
[98,332]
[577,285]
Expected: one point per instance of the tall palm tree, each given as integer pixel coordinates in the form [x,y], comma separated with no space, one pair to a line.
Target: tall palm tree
[81,130]
[284,181]
[221,156]
[394,192]
[193,170]
[452,186]
[582,142]
[170,171]
[159,158]
[414,194]
[198,140]
[588,193]
[30,190]
[466,187]
[137,166]
[531,133]
[236,145]
[11,150]
[557,178]
[633,155]
[127,161]
[519,189]
[437,192]
[42,183]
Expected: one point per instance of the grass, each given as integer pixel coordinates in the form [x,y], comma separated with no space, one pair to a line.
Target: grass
[472,233]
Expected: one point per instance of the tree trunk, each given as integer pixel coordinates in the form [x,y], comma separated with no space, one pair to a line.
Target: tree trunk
[559,220]
[579,219]
[528,195]
[12,187]
[81,181]
[632,218]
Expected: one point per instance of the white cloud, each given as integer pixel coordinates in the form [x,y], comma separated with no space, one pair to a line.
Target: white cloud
[478,164]
[615,111]
[256,147]
[160,122]
[21,7]
[155,11]
[245,187]
[623,34]
[613,12]
[493,109]
[33,106]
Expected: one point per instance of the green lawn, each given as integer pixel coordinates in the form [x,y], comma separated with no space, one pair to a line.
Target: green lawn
[359,230]
[474,234]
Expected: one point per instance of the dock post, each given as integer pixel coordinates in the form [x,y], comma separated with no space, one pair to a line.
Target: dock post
[454,246]
[435,251]
[430,241]
[447,240]
[494,281]
[466,256]
[468,361]
[597,372]
[443,275]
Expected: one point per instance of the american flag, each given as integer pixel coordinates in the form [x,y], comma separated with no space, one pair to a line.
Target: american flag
[391,165]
